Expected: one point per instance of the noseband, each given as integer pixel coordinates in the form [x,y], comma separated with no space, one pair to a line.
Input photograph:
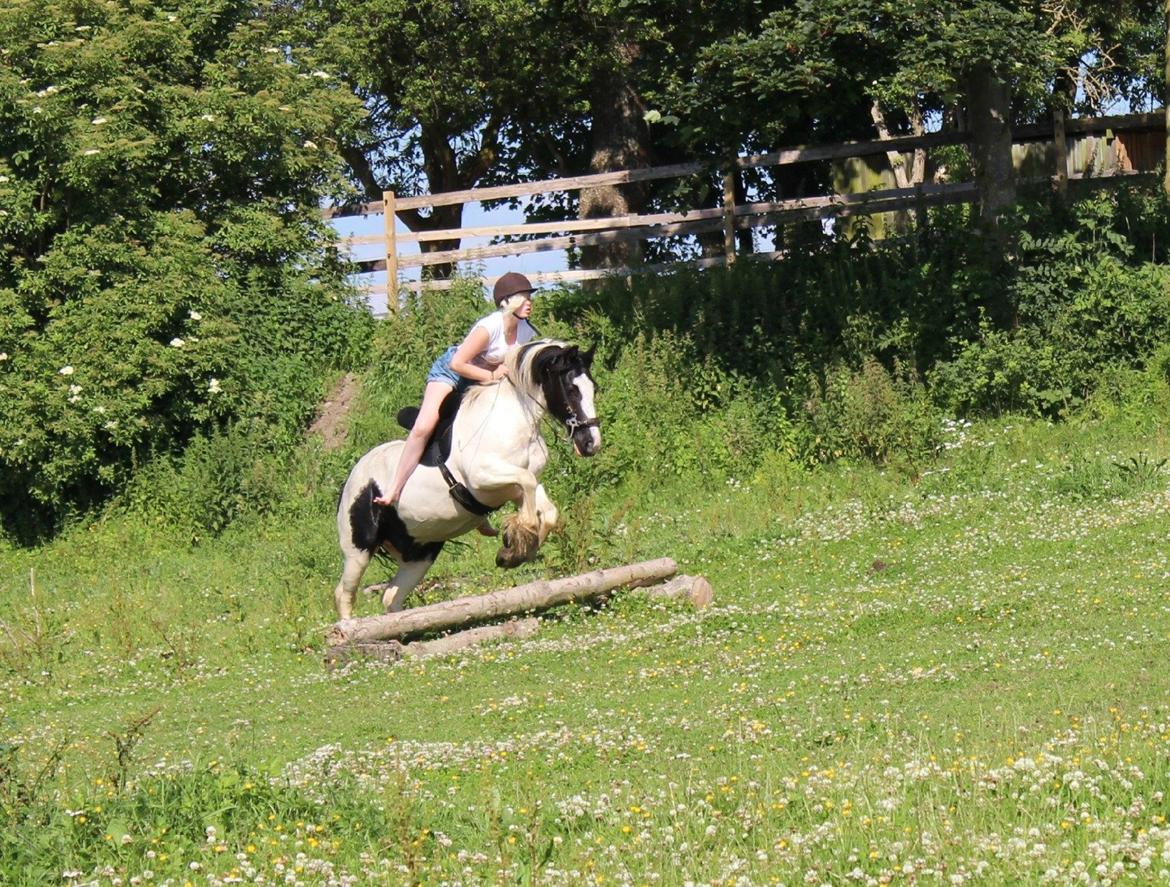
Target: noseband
[572,423]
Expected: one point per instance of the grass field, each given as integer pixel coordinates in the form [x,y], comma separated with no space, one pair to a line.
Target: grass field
[958,676]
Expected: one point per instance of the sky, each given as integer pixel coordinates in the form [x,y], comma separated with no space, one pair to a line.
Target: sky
[473,215]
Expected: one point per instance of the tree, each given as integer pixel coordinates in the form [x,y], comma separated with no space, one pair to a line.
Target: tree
[162,264]
[448,87]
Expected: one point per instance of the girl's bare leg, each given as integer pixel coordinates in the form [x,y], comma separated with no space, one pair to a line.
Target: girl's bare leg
[416,441]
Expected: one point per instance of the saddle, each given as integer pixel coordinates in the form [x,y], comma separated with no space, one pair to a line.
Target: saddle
[438,449]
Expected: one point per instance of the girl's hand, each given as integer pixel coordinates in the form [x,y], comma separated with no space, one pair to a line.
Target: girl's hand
[499,373]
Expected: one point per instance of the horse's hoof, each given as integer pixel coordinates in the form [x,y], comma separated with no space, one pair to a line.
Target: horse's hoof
[506,559]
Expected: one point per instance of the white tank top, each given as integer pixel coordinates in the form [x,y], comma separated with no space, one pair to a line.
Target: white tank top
[493,355]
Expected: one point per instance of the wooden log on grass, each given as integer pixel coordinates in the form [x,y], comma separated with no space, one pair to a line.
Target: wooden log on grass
[392,651]
[695,589]
[508,602]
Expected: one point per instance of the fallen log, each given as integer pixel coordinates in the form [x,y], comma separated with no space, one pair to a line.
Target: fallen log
[695,589]
[534,596]
[392,651]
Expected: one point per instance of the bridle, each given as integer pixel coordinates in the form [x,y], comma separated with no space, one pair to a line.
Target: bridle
[572,423]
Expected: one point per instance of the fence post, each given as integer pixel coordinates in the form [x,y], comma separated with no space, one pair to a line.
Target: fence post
[729,217]
[389,204]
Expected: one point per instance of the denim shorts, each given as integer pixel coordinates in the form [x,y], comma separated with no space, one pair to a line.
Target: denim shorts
[441,371]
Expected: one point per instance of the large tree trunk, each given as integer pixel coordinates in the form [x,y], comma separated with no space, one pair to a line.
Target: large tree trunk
[1166,98]
[619,140]
[989,116]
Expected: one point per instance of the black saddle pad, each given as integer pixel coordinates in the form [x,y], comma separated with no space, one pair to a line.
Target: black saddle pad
[439,446]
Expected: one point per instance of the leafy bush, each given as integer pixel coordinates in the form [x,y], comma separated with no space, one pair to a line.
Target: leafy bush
[870,413]
[1082,306]
[164,270]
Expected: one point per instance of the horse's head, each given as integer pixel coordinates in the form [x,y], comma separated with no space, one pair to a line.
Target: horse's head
[561,373]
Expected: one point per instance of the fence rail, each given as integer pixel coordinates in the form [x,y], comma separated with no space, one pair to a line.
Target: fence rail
[1101,148]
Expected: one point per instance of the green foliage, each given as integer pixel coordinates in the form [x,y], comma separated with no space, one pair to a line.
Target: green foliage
[158,823]
[1083,306]
[162,269]
[872,414]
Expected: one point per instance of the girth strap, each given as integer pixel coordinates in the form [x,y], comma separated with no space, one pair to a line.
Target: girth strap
[461,494]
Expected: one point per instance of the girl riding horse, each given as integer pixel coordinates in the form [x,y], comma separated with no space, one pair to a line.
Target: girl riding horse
[496,455]
[478,358]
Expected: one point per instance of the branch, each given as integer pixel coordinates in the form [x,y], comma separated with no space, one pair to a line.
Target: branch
[360,164]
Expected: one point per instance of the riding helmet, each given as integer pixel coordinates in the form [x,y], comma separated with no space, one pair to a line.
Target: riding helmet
[509,285]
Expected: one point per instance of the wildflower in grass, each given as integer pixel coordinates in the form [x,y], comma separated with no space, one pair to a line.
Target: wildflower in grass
[65,371]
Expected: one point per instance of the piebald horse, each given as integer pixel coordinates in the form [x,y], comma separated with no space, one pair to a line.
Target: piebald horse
[496,455]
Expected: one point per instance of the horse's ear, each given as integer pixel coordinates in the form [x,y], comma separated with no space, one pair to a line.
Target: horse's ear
[587,357]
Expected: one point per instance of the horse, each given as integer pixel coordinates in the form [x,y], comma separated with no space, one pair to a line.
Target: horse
[496,454]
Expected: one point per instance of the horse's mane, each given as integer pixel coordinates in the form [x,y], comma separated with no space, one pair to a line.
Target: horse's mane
[520,361]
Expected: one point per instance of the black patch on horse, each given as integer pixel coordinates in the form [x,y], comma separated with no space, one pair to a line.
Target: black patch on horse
[371,525]
[438,448]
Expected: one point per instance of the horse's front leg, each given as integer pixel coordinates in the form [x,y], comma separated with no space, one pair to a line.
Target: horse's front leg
[525,531]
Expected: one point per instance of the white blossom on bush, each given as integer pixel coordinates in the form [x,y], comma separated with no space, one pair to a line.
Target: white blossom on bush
[66,371]
[213,386]
[176,342]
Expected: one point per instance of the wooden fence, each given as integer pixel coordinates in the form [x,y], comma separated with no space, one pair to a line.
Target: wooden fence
[1095,148]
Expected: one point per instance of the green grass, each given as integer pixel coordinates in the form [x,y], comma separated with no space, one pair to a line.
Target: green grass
[953,676]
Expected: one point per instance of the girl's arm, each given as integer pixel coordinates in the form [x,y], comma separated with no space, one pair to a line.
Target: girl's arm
[469,349]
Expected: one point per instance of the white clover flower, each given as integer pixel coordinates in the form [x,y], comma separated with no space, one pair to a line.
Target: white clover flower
[208,117]
[195,315]
[89,152]
[310,144]
[177,342]
[98,121]
[3,356]
[213,386]
[75,389]
[65,371]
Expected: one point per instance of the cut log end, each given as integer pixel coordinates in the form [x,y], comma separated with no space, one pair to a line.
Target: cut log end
[695,589]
